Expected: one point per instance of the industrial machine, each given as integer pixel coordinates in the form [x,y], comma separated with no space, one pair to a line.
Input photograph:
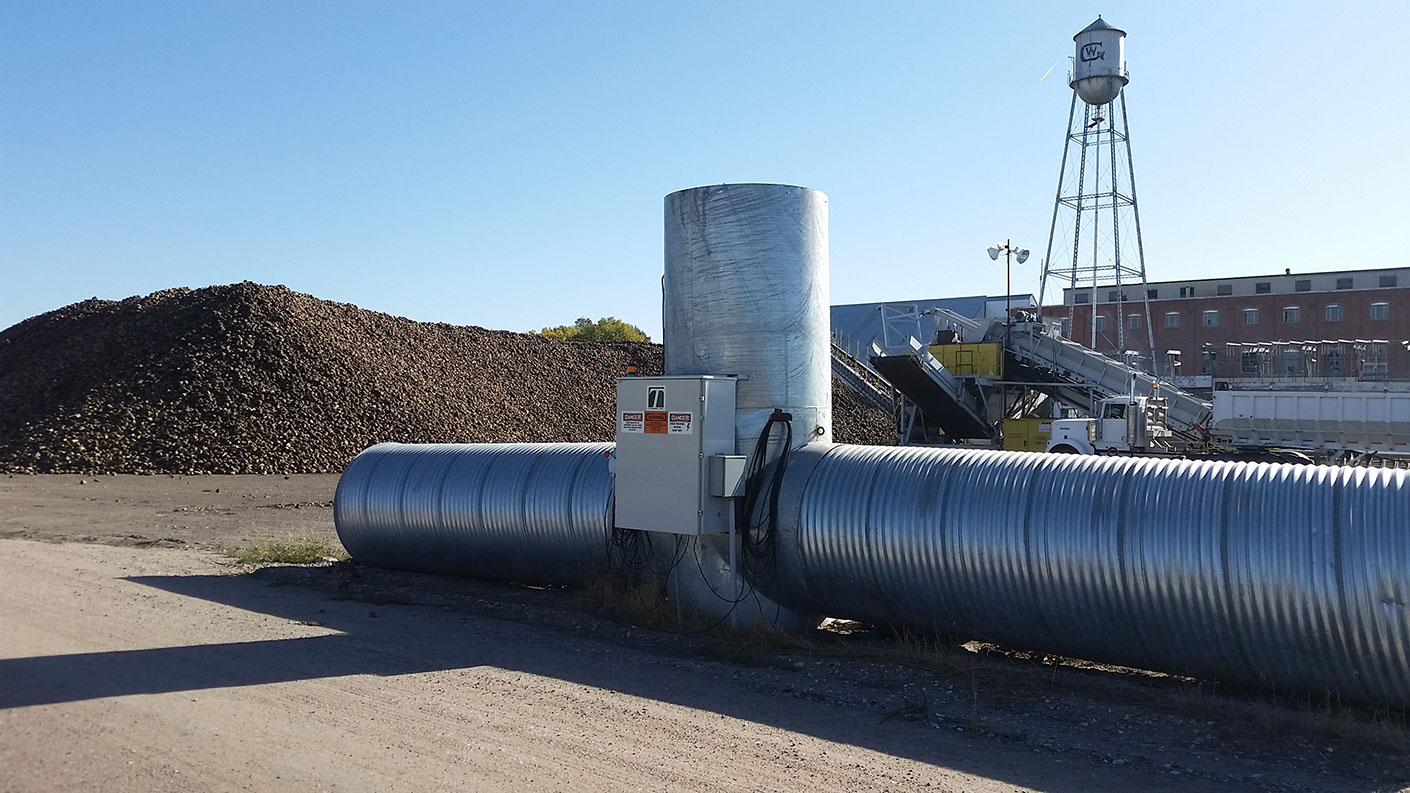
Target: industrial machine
[957,392]
[990,370]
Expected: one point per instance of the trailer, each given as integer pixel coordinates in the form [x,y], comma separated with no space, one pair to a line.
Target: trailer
[1329,423]
[1324,425]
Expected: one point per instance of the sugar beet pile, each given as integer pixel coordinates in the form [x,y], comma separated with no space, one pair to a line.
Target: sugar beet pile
[261,379]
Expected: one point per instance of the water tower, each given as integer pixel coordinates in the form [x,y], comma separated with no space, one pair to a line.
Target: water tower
[1096,207]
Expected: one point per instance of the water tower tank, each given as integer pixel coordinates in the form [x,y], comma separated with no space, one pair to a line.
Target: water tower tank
[1099,68]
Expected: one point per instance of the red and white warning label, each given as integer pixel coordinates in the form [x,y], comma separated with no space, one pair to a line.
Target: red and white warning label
[680,423]
[655,422]
[632,421]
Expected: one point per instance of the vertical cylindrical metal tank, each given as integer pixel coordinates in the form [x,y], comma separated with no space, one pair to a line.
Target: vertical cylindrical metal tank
[1099,66]
[746,293]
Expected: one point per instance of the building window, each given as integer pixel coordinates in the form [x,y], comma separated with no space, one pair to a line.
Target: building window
[1100,323]
[1304,285]
[1083,297]
[1172,319]
[1113,296]
[1331,362]
[1262,288]
[1152,294]
[1207,359]
[1187,291]
[1249,362]
[1224,290]
[1343,283]
[1066,328]
[1380,311]
[1250,316]
[1290,362]
[1389,281]
[1133,321]
[1292,315]
[1334,312]
[1211,318]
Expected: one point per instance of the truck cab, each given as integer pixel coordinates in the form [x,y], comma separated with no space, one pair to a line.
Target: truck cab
[1122,424]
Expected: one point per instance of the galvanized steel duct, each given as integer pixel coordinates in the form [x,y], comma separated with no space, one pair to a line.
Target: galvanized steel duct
[746,293]
[1259,573]
[529,512]
[1293,575]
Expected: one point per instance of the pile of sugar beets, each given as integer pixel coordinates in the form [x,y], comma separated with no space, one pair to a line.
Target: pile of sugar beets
[255,379]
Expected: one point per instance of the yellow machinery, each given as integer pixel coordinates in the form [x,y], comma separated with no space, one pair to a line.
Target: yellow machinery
[1027,435]
[971,360]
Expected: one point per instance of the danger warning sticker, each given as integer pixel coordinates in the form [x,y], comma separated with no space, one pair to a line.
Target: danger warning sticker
[680,424]
[655,422]
[632,422]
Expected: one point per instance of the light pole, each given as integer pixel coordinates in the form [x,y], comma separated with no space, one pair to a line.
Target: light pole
[1009,253]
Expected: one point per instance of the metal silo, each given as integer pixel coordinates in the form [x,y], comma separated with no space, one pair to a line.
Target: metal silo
[1099,65]
[746,293]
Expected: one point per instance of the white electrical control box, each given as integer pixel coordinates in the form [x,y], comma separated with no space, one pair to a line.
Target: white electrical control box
[668,428]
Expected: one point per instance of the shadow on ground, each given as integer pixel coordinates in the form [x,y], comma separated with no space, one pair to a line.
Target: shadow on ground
[391,639]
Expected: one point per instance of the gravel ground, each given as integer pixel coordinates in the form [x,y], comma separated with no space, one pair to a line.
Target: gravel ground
[167,668]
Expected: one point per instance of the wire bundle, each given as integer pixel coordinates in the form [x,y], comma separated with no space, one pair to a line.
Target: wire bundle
[759,531]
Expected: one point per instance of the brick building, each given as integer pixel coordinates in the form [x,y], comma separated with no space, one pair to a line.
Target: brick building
[1349,324]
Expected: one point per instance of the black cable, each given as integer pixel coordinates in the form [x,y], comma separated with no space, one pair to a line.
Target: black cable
[758,537]
[701,568]
[634,547]
[678,555]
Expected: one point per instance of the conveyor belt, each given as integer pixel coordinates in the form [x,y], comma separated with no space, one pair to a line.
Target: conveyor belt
[943,398]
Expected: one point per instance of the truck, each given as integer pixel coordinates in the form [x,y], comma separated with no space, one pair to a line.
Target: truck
[1310,424]
[1123,425]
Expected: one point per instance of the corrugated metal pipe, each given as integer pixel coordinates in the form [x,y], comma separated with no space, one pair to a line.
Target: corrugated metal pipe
[1297,576]
[1293,575]
[529,512]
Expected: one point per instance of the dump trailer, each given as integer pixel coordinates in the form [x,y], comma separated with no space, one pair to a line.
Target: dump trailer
[1324,424]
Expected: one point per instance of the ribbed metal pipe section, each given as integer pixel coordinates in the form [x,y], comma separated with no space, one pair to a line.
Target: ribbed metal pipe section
[1259,573]
[529,512]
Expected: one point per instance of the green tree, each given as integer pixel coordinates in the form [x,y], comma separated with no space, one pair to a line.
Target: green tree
[605,329]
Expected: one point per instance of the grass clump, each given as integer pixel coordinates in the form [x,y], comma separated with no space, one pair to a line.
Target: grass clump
[638,602]
[302,550]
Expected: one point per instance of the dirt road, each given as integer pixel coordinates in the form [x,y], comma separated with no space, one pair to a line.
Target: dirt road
[155,668]
[218,512]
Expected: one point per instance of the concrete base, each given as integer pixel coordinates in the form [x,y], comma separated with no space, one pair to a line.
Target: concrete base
[702,583]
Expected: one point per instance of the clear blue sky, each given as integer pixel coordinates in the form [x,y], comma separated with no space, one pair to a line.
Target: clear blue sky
[503,164]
